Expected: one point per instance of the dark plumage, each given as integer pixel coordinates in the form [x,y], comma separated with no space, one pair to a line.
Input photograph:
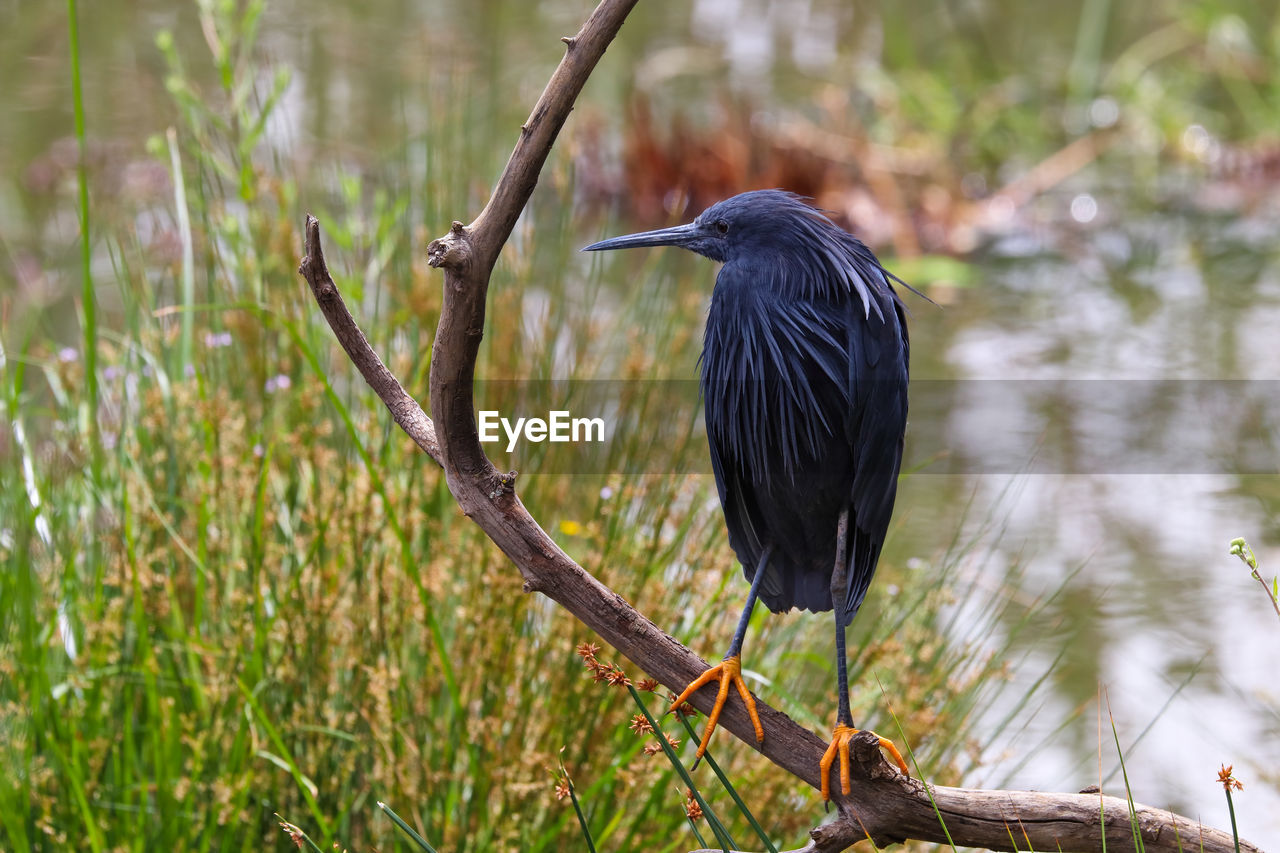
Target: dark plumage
[816,424]
[804,384]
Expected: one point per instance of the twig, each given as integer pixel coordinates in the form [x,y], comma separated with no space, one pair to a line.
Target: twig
[883,805]
[1241,549]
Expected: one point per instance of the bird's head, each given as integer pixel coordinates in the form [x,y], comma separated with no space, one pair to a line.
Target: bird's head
[754,221]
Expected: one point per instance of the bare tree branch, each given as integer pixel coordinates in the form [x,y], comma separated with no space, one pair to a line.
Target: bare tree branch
[884,805]
[404,409]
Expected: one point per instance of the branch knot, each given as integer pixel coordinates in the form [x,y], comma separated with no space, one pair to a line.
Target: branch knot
[452,251]
[505,484]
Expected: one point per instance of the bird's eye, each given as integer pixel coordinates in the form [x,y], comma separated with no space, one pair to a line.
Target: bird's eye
[722,226]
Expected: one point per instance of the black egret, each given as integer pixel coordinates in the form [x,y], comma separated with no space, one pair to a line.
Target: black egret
[804,387]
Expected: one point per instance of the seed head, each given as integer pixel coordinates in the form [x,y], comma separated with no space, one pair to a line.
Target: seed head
[1227,780]
[691,806]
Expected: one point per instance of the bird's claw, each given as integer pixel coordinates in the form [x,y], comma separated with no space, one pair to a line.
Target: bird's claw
[727,671]
[840,747]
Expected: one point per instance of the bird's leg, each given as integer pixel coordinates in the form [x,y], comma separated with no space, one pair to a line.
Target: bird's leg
[729,670]
[844,730]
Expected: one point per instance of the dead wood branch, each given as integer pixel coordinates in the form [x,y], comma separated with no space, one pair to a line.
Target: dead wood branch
[884,805]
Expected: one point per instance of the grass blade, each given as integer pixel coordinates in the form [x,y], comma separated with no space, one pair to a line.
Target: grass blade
[1128,791]
[405,828]
[188,252]
[722,835]
[733,793]
[577,806]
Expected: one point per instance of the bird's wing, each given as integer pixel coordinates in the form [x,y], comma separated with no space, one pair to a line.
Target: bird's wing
[742,518]
[878,367]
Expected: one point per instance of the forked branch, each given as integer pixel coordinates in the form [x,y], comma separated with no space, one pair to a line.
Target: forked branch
[883,806]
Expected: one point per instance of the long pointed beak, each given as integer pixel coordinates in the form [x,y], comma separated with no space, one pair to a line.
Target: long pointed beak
[677,236]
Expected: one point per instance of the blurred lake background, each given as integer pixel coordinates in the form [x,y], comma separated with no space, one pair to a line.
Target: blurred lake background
[1088,190]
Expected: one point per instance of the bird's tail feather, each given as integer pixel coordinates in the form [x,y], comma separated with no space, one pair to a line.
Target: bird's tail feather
[805,590]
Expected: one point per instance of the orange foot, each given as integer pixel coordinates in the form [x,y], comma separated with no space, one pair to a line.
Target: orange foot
[728,670]
[840,746]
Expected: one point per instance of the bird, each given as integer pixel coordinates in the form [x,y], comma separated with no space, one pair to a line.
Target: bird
[803,377]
